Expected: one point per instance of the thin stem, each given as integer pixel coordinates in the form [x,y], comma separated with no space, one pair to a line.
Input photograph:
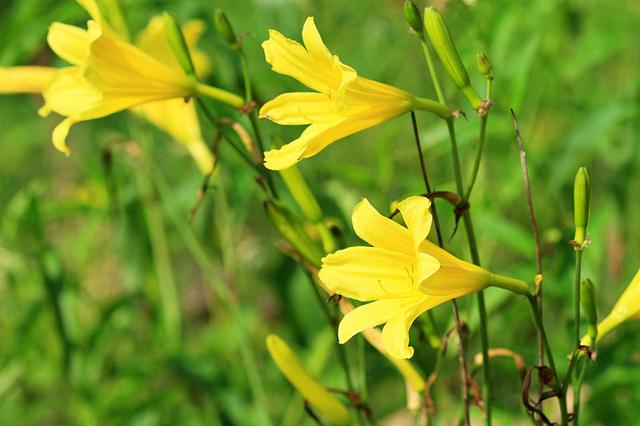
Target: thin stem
[576,289]
[577,386]
[266,172]
[432,69]
[534,225]
[475,256]
[481,143]
[223,96]
[552,365]
[454,305]
[248,96]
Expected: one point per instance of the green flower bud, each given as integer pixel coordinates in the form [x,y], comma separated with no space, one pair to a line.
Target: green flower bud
[581,204]
[412,16]
[589,307]
[442,42]
[178,43]
[484,64]
[293,231]
[224,28]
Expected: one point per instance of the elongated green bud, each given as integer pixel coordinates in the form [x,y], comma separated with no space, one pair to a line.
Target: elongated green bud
[442,42]
[224,28]
[292,230]
[589,307]
[581,205]
[178,43]
[327,405]
[484,64]
[412,16]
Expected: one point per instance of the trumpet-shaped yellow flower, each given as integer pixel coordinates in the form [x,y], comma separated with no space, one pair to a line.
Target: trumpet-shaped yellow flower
[627,307]
[108,75]
[312,391]
[344,103]
[402,274]
[27,79]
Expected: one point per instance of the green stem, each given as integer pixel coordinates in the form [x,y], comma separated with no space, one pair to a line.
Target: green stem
[562,400]
[475,256]
[435,107]
[246,78]
[432,69]
[576,289]
[508,283]
[484,337]
[481,143]
[253,118]
[223,96]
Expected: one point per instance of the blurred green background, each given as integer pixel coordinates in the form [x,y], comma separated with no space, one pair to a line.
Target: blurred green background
[91,246]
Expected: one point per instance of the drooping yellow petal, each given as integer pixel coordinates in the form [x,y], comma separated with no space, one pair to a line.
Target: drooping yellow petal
[179,119]
[367,316]
[368,273]
[69,42]
[395,333]
[92,9]
[60,133]
[312,391]
[378,230]
[415,212]
[27,79]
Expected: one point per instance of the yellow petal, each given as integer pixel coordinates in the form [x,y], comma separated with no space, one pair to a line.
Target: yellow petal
[368,273]
[60,133]
[395,333]
[69,42]
[92,9]
[629,303]
[153,41]
[378,230]
[316,71]
[121,70]
[69,93]
[298,108]
[312,391]
[179,119]
[366,316]
[25,79]
[415,212]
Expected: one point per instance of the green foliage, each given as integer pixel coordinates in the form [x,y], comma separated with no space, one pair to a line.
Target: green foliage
[92,246]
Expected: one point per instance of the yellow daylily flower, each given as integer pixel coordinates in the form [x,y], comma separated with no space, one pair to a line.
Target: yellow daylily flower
[27,79]
[402,274]
[627,307]
[343,102]
[313,392]
[108,75]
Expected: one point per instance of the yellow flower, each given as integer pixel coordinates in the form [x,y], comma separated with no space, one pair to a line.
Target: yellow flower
[627,307]
[402,275]
[343,104]
[28,79]
[312,391]
[109,74]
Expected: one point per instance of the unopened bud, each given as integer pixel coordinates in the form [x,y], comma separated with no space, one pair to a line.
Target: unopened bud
[442,42]
[412,16]
[589,307]
[293,231]
[484,64]
[581,205]
[224,28]
[327,405]
[178,44]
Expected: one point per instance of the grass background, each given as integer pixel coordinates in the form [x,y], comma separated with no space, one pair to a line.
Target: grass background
[88,244]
